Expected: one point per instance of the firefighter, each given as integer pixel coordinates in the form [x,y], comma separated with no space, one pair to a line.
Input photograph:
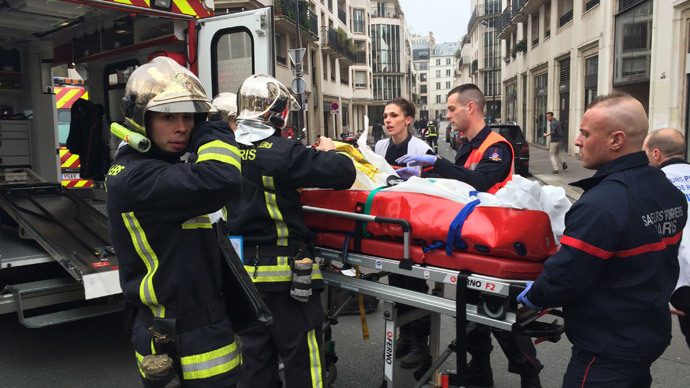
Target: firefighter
[432,137]
[485,161]
[226,106]
[277,246]
[170,261]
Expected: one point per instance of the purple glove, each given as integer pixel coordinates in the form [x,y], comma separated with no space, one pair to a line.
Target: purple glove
[407,172]
[523,298]
[421,160]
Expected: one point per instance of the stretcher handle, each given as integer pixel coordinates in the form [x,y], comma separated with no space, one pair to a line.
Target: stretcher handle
[404,224]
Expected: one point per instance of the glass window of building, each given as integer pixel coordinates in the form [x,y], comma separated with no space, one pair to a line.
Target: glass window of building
[438,85]
[540,95]
[422,76]
[448,85]
[438,61]
[591,78]
[360,79]
[385,44]
[632,47]
[447,72]
[386,87]
[438,98]
[438,73]
[511,102]
[447,61]
[358,21]
[422,88]
[423,66]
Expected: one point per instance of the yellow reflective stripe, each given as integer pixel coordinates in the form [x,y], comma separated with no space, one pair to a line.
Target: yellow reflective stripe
[66,97]
[140,358]
[70,161]
[124,2]
[184,7]
[141,244]
[209,364]
[201,222]
[274,211]
[278,273]
[220,151]
[314,360]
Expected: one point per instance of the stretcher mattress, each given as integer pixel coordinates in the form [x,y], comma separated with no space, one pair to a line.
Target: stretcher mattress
[488,231]
[475,263]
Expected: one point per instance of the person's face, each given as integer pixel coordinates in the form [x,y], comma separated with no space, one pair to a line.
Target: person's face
[395,121]
[549,117]
[457,113]
[171,131]
[594,140]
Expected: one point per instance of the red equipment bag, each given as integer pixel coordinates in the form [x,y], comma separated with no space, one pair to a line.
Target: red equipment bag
[494,231]
[475,263]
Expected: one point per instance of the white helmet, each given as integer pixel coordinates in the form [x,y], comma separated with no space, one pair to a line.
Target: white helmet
[226,104]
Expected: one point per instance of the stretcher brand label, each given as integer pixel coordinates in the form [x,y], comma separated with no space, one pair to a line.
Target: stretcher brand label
[452,279]
[486,286]
[388,352]
[389,348]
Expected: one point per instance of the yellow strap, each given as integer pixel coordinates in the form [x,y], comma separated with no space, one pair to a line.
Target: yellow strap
[362,313]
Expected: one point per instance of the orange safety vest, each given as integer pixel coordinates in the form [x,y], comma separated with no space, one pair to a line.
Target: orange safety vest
[477,154]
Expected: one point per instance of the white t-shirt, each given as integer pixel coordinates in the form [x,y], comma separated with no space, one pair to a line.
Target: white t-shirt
[679,175]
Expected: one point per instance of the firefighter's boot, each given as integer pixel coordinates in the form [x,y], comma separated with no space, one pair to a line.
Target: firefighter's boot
[479,373]
[419,352]
[530,379]
[404,343]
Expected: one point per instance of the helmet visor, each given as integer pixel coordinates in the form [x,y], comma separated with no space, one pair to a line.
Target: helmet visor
[189,106]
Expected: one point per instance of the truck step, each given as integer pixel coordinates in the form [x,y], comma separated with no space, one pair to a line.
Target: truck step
[49,285]
[26,295]
[70,315]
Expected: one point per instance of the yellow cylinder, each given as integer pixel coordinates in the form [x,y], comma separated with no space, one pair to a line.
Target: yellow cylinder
[135,140]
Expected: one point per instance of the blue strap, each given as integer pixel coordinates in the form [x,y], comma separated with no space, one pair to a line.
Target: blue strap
[457,223]
[434,246]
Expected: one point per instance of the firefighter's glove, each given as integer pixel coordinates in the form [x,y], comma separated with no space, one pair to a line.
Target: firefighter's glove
[301,279]
[407,172]
[523,298]
[420,160]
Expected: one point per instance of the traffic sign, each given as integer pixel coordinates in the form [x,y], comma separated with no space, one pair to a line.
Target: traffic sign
[298,86]
[334,106]
[296,55]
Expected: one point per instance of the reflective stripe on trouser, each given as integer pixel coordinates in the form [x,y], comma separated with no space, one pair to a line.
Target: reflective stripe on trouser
[277,273]
[295,336]
[206,365]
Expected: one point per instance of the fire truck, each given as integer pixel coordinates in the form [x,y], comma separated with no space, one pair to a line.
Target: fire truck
[56,262]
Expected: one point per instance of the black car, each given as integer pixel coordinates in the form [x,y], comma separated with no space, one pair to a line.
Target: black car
[513,133]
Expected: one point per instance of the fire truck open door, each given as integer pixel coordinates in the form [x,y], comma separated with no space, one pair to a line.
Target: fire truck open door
[232,47]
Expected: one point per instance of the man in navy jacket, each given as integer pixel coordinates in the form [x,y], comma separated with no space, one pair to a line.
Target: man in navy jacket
[617,265]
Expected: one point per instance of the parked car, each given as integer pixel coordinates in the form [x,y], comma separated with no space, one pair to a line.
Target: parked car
[449,131]
[513,133]
[455,140]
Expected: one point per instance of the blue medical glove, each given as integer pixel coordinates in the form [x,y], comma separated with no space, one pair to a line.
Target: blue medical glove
[407,172]
[421,160]
[523,298]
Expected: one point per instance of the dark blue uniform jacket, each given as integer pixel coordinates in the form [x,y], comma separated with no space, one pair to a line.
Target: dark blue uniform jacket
[617,265]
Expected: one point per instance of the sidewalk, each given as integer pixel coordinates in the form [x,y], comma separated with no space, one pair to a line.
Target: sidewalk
[540,167]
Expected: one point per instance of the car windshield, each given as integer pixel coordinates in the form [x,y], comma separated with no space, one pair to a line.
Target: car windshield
[512,133]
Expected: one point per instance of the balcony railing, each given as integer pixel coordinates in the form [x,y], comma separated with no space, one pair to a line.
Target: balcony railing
[503,21]
[567,17]
[387,12]
[307,18]
[341,15]
[331,39]
[485,9]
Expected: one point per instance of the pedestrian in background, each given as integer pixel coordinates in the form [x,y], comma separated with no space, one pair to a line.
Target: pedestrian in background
[556,134]
[617,264]
[377,131]
[665,149]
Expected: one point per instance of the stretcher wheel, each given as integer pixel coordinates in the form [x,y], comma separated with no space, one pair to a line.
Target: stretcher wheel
[331,375]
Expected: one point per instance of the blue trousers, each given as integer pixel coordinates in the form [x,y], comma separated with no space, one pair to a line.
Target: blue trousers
[589,370]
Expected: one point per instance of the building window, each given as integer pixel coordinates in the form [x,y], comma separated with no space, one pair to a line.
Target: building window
[589,4]
[280,50]
[423,66]
[438,98]
[492,81]
[360,79]
[448,85]
[385,46]
[386,87]
[422,76]
[565,12]
[535,29]
[447,61]
[438,61]
[438,85]
[358,21]
[632,45]
[492,50]
[422,88]
[547,20]
[511,103]
[591,75]
[422,100]
[438,73]
[540,95]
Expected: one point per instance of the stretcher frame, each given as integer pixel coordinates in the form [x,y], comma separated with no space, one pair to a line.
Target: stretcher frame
[493,310]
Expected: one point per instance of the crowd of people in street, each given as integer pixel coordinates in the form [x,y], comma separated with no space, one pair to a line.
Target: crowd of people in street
[228,165]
